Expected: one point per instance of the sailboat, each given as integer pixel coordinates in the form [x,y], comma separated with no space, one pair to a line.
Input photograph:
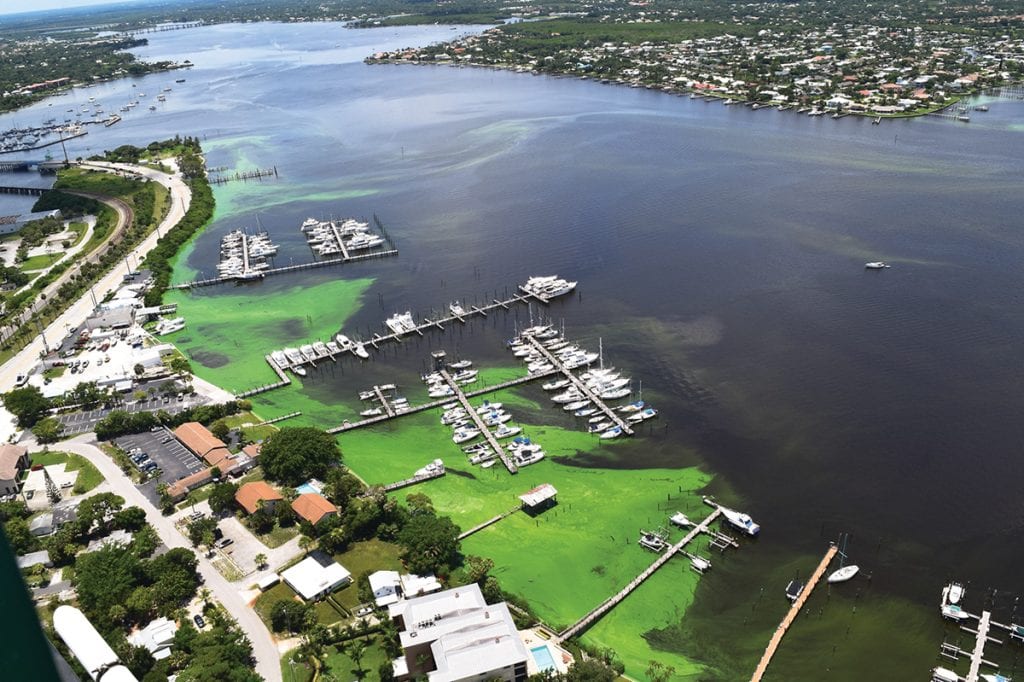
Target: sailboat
[843,573]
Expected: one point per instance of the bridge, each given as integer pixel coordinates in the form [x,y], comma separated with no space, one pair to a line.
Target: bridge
[26,191]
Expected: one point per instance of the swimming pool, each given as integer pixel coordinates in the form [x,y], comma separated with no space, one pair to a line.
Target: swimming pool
[307,488]
[542,655]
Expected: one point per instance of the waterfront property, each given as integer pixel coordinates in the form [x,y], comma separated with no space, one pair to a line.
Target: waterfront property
[456,635]
[256,495]
[313,507]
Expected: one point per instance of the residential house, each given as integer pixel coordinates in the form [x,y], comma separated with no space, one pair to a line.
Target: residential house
[251,495]
[313,507]
[14,460]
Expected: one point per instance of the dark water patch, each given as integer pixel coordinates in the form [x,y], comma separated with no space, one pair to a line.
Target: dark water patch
[461,474]
[209,358]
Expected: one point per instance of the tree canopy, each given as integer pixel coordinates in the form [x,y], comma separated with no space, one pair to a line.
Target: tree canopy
[430,543]
[293,455]
[27,404]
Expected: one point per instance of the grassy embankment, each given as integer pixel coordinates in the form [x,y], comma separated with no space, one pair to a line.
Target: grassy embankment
[88,476]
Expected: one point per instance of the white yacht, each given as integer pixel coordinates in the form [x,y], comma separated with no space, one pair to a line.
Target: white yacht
[614,394]
[643,415]
[741,521]
[294,356]
[299,371]
[578,405]
[343,341]
[680,519]
[165,326]
[843,574]
[528,455]
[555,385]
[401,323]
[320,347]
[461,364]
[372,412]
[456,309]
[279,358]
[613,432]
[360,351]
[505,431]
[463,435]
[876,265]
[307,351]
[433,469]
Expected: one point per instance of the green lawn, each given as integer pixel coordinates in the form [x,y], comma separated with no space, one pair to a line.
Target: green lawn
[39,262]
[338,664]
[325,613]
[88,476]
[54,372]
[278,536]
[253,433]
[365,557]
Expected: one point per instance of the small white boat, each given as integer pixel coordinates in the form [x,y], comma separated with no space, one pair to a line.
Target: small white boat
[614,432]
[680,519]
[699,563]
[615,394]
[585,412]
[360,351]
[876,265]
[456,309]
[299,371]
[578,405]
[652,541]
[941,674]
[843,574]
[570,396]
[483,458]
[461,364]
[372,412]
[953,593]
[600,427]
[497,418]
[488,407]
[367,395]
[488,464]
[632,407]
[505,431]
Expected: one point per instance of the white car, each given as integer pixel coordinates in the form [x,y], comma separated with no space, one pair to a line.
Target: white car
[21,380]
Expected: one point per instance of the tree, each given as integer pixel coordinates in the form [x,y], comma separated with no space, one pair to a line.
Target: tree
[306,543]
[166,499]
[199,529]
[222,497]
[48,430]
[341,486]
[591,670]
[261,521]
[180,366]
[97,513]
[478,568]
[430,543]
[130,519]
[293,455]
[220,429]
[289,616]
[659,672]
[19,535]
[103,579]
[261,560]
[355,649]
[27,404]
[419,503]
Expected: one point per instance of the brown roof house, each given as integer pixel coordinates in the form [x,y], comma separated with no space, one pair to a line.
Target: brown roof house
[250,495]
[313,507]
[202,443]
[13,460]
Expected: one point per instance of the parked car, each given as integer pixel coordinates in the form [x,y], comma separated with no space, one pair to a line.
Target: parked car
[224,542]
[200,621]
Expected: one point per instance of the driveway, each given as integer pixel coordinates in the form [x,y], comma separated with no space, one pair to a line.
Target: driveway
[263,646]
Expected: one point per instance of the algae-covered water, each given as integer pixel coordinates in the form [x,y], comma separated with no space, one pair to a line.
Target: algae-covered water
[720,258]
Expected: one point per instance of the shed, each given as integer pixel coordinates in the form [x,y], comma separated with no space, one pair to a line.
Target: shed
[268,581]
[540,497]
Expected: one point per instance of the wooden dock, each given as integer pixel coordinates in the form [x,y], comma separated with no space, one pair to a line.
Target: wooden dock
[489,522]
[278,419]
[581,386]
[398,485]
[390,411]
[440,322]
[484,431]
[349,426]
[794,610]
[211,281]
[283,381]
[610,603]
[984,623]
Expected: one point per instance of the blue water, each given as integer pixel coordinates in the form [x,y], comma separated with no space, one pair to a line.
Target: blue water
[306,488]
[543,657]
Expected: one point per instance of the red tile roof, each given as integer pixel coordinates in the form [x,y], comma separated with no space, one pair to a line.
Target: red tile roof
[199,440]
[313,507]
[250,495]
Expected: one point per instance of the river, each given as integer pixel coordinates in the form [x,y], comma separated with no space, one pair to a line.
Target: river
[720,255]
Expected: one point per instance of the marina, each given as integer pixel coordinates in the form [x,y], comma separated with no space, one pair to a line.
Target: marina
[245,257]
[951,609]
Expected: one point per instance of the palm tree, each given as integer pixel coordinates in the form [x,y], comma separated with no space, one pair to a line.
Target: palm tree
[261,560]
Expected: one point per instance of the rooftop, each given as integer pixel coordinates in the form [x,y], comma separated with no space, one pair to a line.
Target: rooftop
[199,440]
[250,495]
[10,456]
[313,507]
[311,577]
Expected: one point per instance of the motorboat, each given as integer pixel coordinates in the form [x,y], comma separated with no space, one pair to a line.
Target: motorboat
[952,593]
[569,396]
[680,519]
[555,385]
[539,367]
[343,341]
[843,574]
[476,448]
[505,431]
[585,412]
[600,426]
[497,418]
[333,348]
[441,392]
[794,589]
[360,351]
[307,351]
[526,456]
[954,612]
[456,309]
[940,674]
[320,347]
[740,521]
[367,395]
[372,412]
[699,563]
[578,405]
[166,326]
[401,323]
[463,435]
[294,356]
[435,468]
[279,358]
[876,265]
[461,364]
[485,458]
[298,371]
[652,541]
[613,432]
[465,376]
[488,407]
[453,416]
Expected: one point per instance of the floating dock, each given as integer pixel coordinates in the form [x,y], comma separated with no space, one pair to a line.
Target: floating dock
[610,603]
[794,610]
[492,442]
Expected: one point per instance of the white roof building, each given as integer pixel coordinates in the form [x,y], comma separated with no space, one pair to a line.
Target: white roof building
[156,637]
[465,638]
[316,576]
[385,587]
[418,585]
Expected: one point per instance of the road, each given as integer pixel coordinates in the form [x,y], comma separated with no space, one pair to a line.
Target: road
[77,312]
[268,662]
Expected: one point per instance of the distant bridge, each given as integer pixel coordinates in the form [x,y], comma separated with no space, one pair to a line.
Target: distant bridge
[28,191]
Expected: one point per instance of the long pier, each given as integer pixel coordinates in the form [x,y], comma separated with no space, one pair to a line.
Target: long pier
[794,610]
[275,420]
[484,431]
[610,603]
[440,322]
[398,485]
[581,386]
[211,281]
[283,381]
[30,191]
[984,623]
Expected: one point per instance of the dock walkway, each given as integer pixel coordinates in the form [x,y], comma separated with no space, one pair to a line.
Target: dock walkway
[984,623]
[489,522]
[484,431]
[211,281]
[794,610]
[349,426]
[610,603]
[581,386]
[398,485]
[283,381]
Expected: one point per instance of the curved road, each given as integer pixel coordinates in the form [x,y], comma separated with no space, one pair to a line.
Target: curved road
[268,660]
[77,312]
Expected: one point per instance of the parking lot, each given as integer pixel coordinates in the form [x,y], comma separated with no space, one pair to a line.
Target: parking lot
[173,460]
[82,422]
